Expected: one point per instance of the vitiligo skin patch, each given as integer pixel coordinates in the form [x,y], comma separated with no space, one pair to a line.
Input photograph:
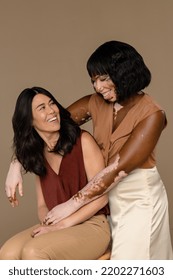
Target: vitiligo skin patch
[81,116]
[101,183]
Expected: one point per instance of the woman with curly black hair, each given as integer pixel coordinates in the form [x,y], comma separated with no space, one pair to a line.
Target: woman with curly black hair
[48,143]
[127,125]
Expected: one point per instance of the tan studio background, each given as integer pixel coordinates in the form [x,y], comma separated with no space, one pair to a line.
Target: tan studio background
[47,43]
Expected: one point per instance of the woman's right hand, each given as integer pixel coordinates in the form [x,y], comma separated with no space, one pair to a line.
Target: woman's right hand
[14,181]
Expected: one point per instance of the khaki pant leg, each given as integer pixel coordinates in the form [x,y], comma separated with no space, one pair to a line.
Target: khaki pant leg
[12,248]
[86,241]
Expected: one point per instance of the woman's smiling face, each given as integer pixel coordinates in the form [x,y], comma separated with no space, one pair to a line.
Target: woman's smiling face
[104,85]
[46,117]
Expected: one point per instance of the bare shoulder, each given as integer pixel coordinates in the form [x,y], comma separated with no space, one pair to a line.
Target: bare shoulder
[161,117]
[93,158]
[89,144]
[87,139]
[157,119]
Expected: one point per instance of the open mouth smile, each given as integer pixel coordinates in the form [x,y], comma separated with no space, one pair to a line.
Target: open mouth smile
[52,119]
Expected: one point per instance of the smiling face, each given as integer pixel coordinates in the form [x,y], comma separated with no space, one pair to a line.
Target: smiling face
[46,117]
[104,85]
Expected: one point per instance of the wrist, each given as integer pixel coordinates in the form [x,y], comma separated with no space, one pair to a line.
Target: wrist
[76,202]
[62,224]
[16,163]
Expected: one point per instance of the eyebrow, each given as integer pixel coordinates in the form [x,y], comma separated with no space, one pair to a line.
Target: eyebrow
[42,104]
[39,105]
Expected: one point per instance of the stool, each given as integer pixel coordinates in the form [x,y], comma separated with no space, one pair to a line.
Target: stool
[106,255]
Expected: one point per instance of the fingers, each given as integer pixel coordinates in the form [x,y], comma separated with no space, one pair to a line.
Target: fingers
[20,189]
[40,230]
[13,200]
[54,222]
[51,221]
[11,194]
[10,199]
[35,232]
[47,217]
[48,220]
[8,192]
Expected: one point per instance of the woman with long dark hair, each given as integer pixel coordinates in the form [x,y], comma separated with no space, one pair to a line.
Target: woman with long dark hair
[48,143]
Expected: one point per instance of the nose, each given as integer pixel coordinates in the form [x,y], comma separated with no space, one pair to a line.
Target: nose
[98,85]
[50,109]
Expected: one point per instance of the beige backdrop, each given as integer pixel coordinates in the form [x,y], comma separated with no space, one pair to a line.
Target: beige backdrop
[47,43]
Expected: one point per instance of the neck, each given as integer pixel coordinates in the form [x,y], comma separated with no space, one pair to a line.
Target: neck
[50,139]
[50,142]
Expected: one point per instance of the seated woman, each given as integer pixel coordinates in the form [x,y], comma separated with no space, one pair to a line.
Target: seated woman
[49,144]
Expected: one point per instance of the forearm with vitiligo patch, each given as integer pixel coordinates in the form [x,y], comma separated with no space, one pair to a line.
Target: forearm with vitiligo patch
[103,182]
[81,117]
[99,185]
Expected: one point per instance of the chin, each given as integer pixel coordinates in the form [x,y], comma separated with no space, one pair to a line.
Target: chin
[113,99]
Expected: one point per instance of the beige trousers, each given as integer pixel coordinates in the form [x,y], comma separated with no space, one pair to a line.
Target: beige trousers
[86,241]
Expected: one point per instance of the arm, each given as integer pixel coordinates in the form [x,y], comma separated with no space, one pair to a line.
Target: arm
[80,216]
[41,205]
[79,110]
[132,155]
[93,161]
[14,181]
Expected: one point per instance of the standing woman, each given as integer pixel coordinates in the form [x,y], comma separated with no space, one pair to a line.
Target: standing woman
[48,143]
[127,125]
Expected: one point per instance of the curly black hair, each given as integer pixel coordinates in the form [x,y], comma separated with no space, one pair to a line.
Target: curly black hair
[123,64]
[28,146]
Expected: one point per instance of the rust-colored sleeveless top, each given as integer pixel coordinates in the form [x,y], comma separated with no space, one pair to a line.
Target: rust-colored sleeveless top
[110,142]
[58,188]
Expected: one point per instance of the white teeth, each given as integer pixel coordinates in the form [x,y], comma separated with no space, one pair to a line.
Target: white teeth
[52,119]
[105,94]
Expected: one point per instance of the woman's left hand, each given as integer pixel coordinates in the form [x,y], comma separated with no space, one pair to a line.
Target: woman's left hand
[59,212]
[41,230]
[48,228]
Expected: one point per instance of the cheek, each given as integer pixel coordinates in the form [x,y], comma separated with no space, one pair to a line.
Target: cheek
[94,86]
[111,84]
[38,121]
[36,125]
